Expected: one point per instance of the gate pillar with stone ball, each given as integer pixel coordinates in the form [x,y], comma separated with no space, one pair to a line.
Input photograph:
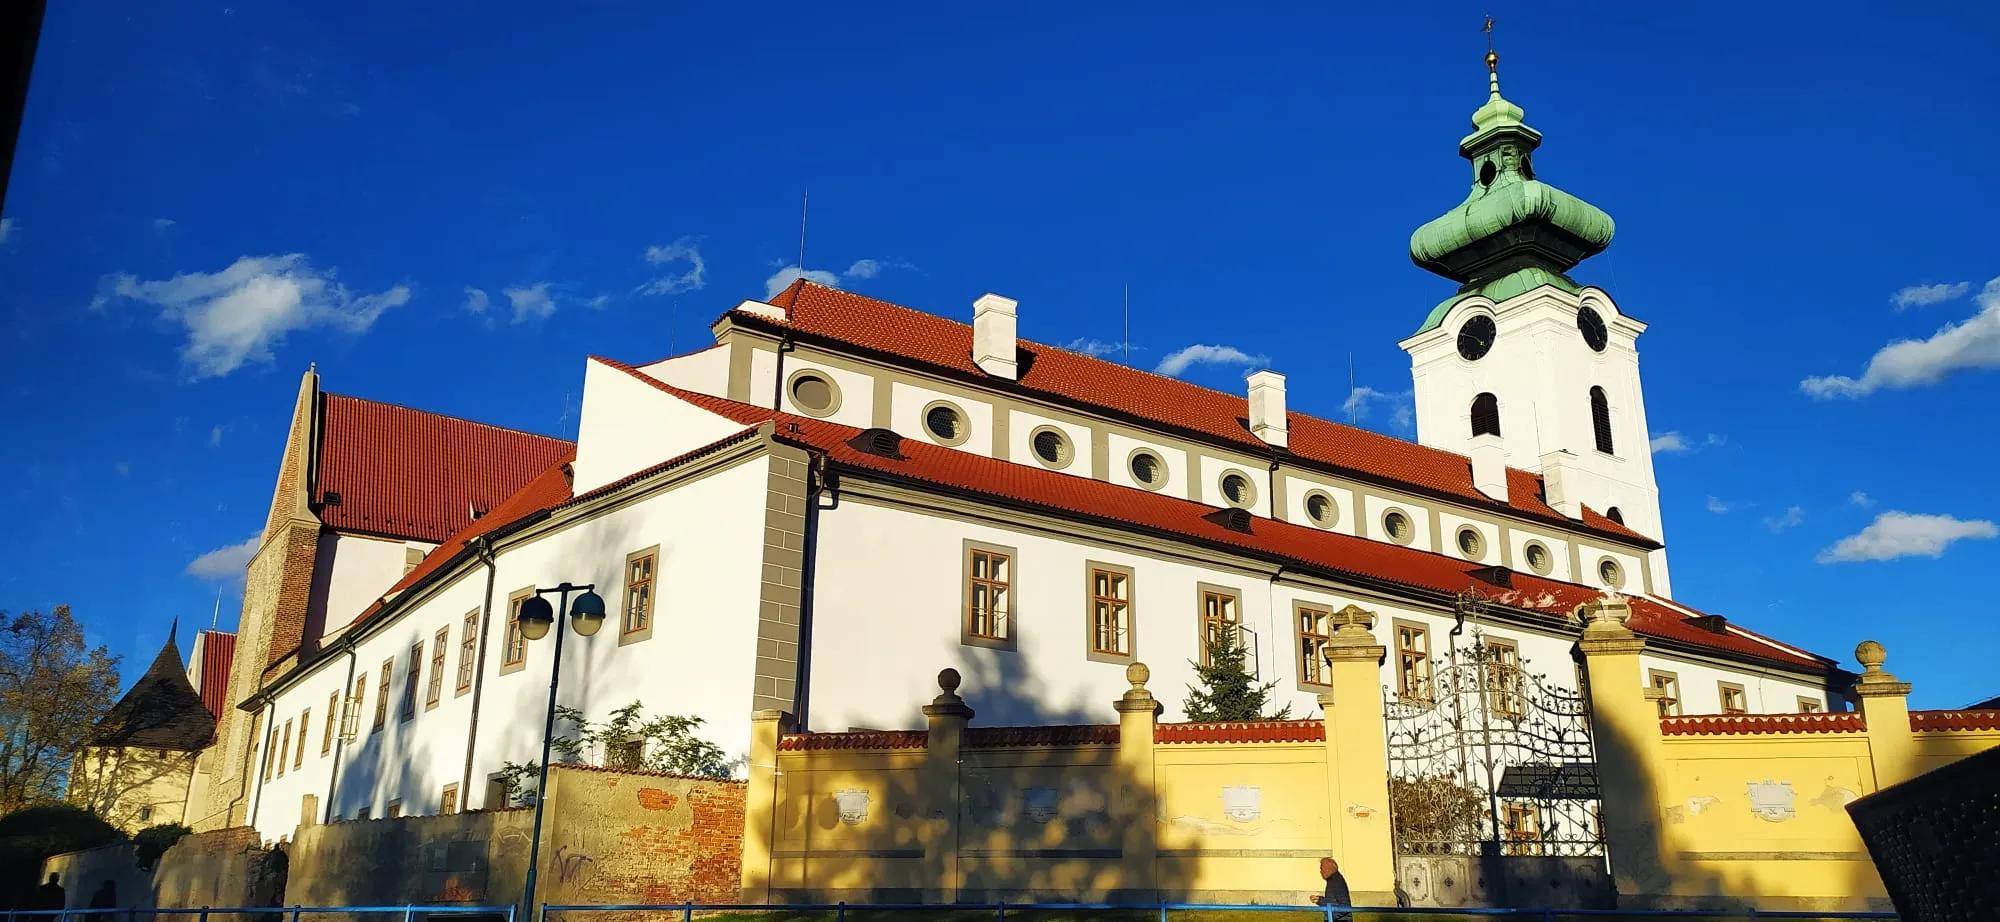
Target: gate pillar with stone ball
[1357,759]
[1626,730]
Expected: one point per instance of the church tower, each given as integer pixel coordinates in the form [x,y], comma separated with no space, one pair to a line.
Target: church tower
[1522,366]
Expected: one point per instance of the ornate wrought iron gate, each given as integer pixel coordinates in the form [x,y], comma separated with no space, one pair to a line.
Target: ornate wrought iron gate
[1493,782]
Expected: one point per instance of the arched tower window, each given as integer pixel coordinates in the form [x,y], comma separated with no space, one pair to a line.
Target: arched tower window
[1485,415]
[1600,419]
[1615,515]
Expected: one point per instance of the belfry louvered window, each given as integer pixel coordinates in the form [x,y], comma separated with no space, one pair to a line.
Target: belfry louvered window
[1600,419]
[1485,415]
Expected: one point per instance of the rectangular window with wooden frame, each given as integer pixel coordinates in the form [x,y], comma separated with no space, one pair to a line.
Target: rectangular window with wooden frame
[1221,617]
[637,623]
[448,804]
[1413,663]
[332,719]
[1108,597]
[515,657]
[986,617]
[435,691]
[270,749]
[350,716]
[305,721]
[1523,830]
[1669,687]
[382,694]
[284,748]
[1734,699]
[1505,694]
[395,809]
[412,679]
[1315,632]
[468,650]
[1810,705]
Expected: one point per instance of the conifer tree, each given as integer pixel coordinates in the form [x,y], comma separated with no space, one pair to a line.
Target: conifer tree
[1228,691]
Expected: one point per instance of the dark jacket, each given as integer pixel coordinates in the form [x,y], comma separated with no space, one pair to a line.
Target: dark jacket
[1336,895]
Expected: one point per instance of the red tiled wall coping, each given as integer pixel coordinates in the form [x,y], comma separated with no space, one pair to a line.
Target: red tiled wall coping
[860,739]
[1242,731]
[1017,737]
[1955,720]
[1722,724]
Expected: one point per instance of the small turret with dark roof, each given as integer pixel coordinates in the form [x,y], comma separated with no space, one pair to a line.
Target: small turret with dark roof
[162,711]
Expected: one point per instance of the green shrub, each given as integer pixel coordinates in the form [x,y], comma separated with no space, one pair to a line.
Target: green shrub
[30,835]
[153,841]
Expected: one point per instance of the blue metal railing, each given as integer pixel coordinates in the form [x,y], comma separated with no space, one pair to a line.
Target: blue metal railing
[840,910]
[132,913]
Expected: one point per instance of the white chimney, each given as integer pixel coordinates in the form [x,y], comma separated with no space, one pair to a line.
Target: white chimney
[993,321]
[1489,465]
[1562,483]
[1267,407]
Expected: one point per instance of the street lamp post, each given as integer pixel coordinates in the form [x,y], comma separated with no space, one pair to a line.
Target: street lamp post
[536,618]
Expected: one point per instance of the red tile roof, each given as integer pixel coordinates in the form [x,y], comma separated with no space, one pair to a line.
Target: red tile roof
[946,345]
[405,473]
[544,491]
[1242,731]
[1295,545]
[858,739]
[1723,724]
[218,651]
[1024,737]
[1955,720]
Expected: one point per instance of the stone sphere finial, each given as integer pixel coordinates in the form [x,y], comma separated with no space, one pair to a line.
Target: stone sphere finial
[1872,655]
[948,680]
[1138,674]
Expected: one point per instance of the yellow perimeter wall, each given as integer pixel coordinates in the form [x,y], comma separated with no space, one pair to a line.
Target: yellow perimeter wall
[1699,812]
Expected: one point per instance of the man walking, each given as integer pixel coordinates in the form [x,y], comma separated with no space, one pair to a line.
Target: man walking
[1336,890]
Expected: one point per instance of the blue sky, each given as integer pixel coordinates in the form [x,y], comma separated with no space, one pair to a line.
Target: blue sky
[206,198]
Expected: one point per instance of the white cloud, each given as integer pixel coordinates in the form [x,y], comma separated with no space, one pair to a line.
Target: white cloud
[683,250]
[6,229]
[864,269]
[215,437]
[476,300]
[1181,360]
[239,314]
[531,302]
[1971,343]
[1859,498]
[1094,347]
[598,303]
[161,224]
[1792,517]
[1904,534]
[1925,295]
[1717,506]
[783,279]
[225,563]
[124,468]
[1670,442]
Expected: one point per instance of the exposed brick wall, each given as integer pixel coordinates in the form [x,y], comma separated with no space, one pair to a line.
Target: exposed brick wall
[635,837]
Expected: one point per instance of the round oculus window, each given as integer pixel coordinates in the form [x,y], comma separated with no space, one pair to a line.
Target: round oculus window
[1147,468]
[1475,338]
[812,393]
[1470,544]
[1237,488]
[944,424]
[1397,525]
[1538,558]
[1051,447]
[1592,327]
[1319,508]
[1611,573]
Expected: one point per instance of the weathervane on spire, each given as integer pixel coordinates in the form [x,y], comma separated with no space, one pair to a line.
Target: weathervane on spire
[1492,60]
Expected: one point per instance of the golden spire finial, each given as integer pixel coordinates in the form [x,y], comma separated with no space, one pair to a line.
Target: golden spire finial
[1492,61]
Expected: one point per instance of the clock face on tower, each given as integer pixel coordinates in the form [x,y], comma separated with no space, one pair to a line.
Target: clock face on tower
[1475,337]
[1592,327]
